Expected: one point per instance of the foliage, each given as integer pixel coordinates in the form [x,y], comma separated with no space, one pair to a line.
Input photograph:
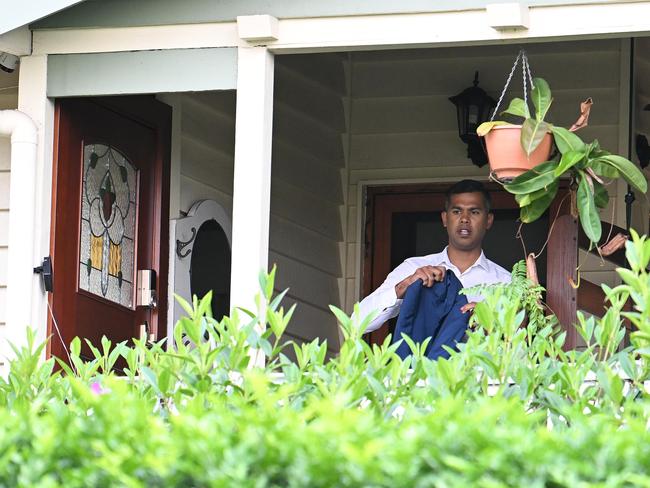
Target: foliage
[510,408]
[586,164]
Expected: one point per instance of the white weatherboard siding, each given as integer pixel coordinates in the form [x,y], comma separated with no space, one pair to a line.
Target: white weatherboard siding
[8,100]
[306,192]
[403,127]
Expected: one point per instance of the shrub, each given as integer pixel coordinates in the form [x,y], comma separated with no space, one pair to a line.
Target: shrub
[510,408]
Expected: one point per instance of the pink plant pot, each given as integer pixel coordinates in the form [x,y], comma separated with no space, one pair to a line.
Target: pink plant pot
[507,158]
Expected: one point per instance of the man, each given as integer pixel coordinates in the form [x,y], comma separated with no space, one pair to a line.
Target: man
[467,217]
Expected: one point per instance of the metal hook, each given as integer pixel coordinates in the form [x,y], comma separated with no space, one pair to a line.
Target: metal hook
[180,245]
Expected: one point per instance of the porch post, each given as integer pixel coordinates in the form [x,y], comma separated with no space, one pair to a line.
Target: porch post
[561,264]
[31,191]
[252,174]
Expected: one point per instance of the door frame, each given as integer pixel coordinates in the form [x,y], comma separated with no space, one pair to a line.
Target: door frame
[369,225]
[562,250]
[150,112]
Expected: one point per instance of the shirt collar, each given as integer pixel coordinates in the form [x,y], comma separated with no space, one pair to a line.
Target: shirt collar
[482,261]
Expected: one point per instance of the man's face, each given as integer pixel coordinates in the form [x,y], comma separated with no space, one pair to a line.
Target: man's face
[466,220]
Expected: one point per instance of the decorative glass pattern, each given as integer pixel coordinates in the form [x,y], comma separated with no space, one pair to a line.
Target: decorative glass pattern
[108,226]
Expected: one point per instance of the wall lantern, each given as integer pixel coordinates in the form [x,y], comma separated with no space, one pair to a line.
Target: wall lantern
[473,107]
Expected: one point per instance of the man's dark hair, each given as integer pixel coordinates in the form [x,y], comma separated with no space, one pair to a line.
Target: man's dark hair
[468,186]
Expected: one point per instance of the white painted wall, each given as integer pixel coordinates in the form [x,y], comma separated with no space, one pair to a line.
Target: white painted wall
[8,100]
[306,192]
[403,127]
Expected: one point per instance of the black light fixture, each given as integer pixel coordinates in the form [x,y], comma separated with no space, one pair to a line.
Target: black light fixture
[473,107]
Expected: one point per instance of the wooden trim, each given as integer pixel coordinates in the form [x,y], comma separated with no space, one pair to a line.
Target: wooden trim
[591,298]
[138,72]
[55,171]
[562,261]
[363,32]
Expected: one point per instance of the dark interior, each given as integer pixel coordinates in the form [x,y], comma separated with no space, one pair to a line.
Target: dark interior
[422,233]
[210,268]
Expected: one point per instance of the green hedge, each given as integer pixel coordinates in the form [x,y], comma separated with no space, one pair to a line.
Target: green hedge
[489,442]
[511,408]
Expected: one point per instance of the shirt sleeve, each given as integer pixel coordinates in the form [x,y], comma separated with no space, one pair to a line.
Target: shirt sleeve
[384,299]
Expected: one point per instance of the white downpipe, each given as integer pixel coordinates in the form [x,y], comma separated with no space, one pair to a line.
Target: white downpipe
[20,274]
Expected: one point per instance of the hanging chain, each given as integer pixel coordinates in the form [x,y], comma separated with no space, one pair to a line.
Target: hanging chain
[524,62]
[512,72]
[530,77]
[525,70]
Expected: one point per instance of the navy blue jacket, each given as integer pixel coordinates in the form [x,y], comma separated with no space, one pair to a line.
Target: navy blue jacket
[432,312]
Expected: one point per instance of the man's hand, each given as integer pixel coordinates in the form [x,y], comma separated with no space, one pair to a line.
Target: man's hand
[469,307]
[428,274]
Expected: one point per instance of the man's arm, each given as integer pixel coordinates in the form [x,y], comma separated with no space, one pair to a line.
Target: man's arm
[387,299]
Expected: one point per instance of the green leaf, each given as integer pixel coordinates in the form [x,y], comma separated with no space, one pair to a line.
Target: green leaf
[569,159]
[628,366]
[276,301]
[535,209]
[601,197]
[164,381]
[532,133]
[603,169]
[566,141]
[75,346]
[542,99]
[150,376]
[589,217]
[486,127]
[628,170]
[534,179]
[517,107]
[524,199]
[184,305]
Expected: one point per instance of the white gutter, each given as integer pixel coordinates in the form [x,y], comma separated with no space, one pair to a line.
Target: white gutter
[22,218]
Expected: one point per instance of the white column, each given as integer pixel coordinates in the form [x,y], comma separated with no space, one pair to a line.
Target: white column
[33,101]
[20,273]
[252,175]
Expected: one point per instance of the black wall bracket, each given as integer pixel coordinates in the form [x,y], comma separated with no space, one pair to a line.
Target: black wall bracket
[45,270]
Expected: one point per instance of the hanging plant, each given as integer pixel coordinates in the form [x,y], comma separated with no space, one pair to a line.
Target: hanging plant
[587,165]
[515,148]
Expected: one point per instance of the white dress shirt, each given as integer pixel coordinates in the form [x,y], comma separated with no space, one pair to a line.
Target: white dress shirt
[385,301]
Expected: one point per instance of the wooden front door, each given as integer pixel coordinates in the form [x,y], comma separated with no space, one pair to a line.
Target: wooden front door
[110,217]
[404,221]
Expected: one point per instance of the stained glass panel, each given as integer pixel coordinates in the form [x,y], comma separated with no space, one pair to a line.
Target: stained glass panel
[108,224]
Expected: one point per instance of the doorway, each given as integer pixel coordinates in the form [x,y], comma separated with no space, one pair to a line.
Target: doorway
[404,221]
[110,219]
